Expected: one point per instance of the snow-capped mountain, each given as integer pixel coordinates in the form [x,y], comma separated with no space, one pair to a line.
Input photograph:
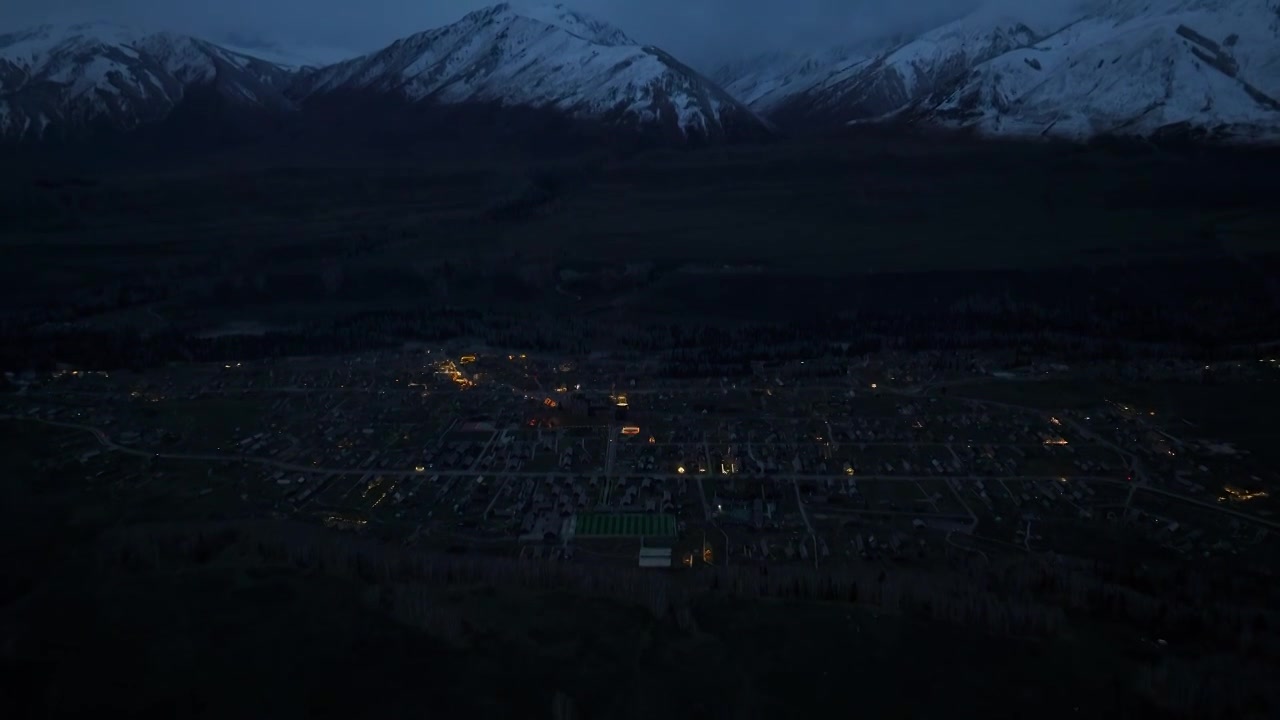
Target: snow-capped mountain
[1211,65]
[766,81]
[550,58]
[288,57]
[1091,67]
[1094,67]
[68,79]
[876,78]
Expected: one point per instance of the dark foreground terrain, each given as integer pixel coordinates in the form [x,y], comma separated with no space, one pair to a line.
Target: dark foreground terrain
[128,591]
[130,604]
[1158,244]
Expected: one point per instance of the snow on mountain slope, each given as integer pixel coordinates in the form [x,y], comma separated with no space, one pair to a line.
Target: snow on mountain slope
[79,76]
[875,79]
[558,15]
[939,57]
[546,58]
[289,57]
[73,80]
[1090,67]
[1132,69]
[766,81]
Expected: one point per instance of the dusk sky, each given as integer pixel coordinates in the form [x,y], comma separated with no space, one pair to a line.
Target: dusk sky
[703,32]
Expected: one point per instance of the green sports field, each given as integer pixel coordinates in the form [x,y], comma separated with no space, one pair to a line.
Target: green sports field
[625,525]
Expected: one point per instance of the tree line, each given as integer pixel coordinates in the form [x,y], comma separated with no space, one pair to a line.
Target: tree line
[687,347]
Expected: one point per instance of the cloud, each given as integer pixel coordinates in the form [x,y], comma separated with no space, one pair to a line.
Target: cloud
[700,31]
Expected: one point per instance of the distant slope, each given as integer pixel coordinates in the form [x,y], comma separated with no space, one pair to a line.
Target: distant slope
[1127,67]
[765,82]
[66,81]
[546,59]
[1211,65]
[496,71]
[873,79]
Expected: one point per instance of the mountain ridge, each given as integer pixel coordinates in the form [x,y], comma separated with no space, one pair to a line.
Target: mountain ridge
[1108,67]
[59,81]
[1210,68]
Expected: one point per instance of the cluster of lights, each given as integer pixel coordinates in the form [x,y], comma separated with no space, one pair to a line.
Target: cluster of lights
[340,520]
[446,367]
[1236,494]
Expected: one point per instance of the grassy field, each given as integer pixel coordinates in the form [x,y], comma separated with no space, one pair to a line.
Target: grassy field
[626,525]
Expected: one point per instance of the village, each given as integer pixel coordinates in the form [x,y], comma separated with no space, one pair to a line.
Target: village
[602,460]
